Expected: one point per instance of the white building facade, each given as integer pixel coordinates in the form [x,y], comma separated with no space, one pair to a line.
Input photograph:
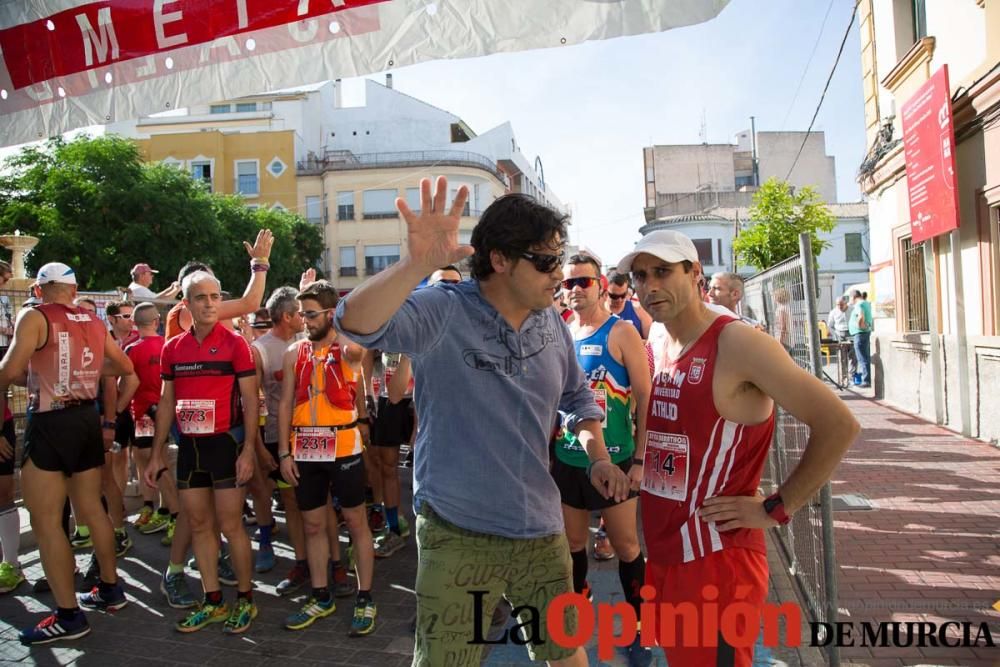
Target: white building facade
[937,356]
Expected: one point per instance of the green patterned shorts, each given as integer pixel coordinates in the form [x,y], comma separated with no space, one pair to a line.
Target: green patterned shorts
[454,562]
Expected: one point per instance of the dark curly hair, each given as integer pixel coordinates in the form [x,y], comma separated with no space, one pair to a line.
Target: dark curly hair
[510,225]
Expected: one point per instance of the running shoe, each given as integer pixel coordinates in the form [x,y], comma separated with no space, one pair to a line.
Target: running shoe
[112,600]
[122,543]
[11,577]
[388,545]
[227,576]
[91,577]
[310,611]
[53,629]
[145,514]
[297,576]
[363,622]
[78,541]
[175,588]
[168,539]
[240,618]
[204,615]
[156,523]
[265,559]
[602,546]
[342,586]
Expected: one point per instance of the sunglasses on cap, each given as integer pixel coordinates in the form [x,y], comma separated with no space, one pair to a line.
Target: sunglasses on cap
[584,281]
[544,263]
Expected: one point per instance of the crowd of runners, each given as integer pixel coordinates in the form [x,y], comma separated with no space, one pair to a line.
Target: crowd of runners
[532,393]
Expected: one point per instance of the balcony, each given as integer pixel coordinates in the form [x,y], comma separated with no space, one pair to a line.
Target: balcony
[348,161]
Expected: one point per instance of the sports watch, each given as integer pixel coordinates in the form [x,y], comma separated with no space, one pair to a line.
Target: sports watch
[775,508]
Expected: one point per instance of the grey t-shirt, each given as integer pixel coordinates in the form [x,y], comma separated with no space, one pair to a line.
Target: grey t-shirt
[487,400]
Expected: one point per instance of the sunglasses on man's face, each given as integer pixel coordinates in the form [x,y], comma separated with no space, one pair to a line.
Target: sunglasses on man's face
[449,281]
[617,297]
[544,263]
[124,316]
[313,314]
[584,281]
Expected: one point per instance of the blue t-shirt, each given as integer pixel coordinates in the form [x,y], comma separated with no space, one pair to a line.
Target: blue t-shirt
[487,400]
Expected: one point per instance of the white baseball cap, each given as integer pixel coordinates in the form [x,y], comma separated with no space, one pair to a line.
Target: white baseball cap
[666,244]
[56,272]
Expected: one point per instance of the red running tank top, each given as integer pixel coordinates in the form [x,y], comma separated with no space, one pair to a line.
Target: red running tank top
[67,369]
[693,453]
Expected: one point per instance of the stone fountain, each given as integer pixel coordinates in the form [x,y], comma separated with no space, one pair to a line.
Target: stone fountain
[19,246]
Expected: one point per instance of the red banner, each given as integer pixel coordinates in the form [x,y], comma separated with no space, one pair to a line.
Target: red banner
[929,149]
[71,63]
[102,33]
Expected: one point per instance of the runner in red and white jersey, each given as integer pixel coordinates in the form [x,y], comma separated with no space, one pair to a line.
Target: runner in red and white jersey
[142,391]
[711,417]
[64,350]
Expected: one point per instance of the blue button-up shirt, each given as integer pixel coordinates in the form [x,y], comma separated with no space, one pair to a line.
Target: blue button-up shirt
[487,399]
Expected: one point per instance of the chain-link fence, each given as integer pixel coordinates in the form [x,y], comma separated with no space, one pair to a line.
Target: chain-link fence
[783,300]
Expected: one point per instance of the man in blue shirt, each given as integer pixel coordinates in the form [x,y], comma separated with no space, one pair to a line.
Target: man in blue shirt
[488,512]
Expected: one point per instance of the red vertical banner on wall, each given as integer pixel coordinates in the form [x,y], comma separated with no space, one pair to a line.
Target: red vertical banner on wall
[929,150]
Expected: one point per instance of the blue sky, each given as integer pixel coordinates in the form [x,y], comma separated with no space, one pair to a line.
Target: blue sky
[588,110]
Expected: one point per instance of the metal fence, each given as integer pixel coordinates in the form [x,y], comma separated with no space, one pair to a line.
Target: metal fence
[783,300]
[11,302]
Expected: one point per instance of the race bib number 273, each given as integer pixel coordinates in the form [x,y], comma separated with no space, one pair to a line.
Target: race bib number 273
[196,417]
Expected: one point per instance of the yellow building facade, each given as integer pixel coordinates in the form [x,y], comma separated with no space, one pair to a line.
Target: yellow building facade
[259,166]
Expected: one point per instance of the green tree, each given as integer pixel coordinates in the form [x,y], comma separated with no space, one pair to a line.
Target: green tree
[778,217]
[96,206]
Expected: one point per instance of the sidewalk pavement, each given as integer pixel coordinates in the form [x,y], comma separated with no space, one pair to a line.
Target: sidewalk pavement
[929,551]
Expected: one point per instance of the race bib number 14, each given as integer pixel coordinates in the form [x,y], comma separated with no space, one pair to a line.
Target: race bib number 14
[665,466]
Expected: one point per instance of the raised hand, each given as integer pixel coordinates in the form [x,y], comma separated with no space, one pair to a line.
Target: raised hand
[432,236]
[261,249]
[308,277]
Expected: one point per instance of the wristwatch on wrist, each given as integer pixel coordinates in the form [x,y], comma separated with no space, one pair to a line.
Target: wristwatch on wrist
[282,457]
[107,423]
[637,460]
[775,508]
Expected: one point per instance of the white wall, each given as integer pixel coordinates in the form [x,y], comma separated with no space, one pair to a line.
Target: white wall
[959,31]
[776,152]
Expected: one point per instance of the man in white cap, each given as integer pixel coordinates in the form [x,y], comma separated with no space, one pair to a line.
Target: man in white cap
[709,427]
[142,278]
[65,350]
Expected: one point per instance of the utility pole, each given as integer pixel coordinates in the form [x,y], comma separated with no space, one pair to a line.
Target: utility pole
[753,151]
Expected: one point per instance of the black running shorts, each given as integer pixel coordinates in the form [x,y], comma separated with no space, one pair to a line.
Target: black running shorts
[208,462]
[577,491]
[320,481]
[67,441]
[393,423]
[7,466]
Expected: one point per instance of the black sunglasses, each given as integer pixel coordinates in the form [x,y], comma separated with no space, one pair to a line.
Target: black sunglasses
[617,297]
[449,281]
[544,263]
[585,282]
